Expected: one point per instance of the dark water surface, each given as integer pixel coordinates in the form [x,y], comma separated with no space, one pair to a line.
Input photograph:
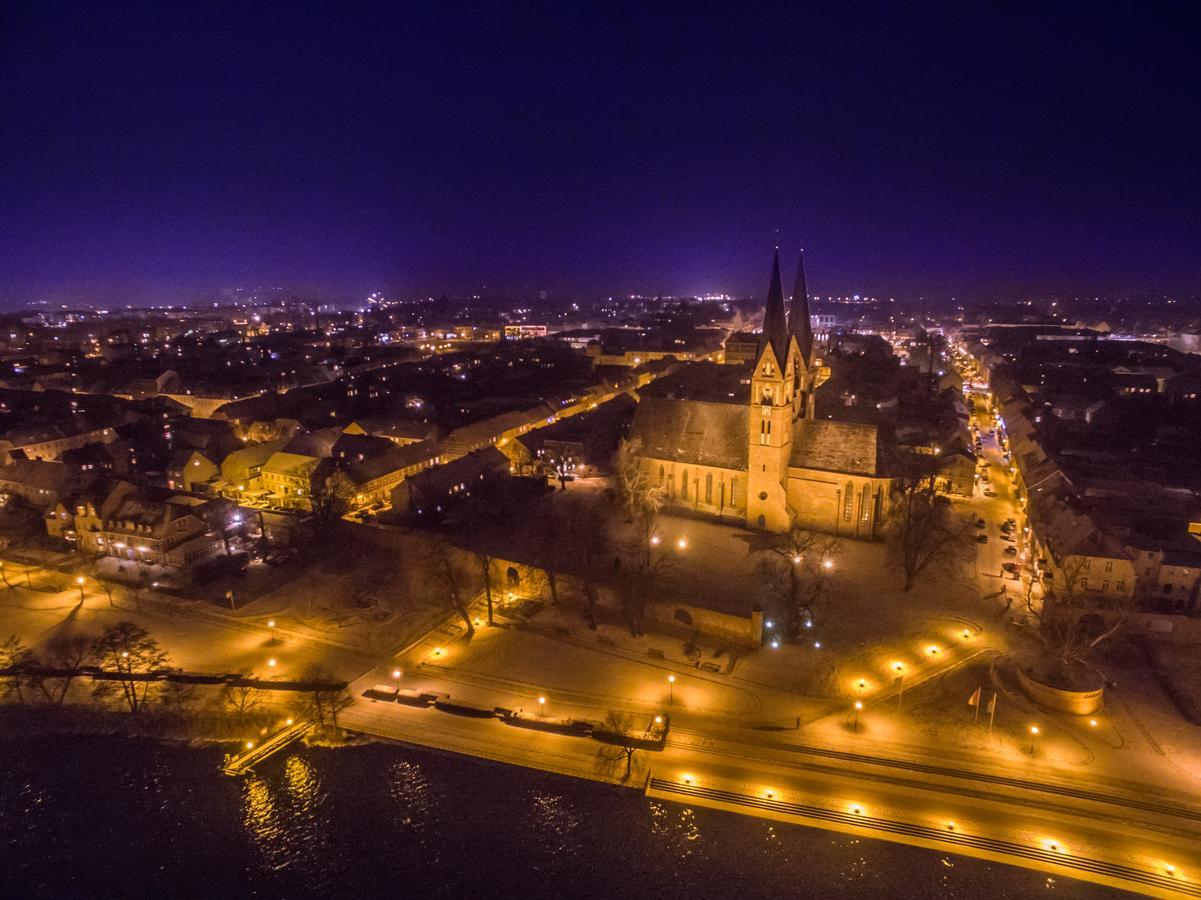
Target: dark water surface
[87,817]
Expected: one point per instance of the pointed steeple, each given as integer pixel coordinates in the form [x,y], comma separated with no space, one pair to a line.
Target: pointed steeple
[798,314]
[775,325]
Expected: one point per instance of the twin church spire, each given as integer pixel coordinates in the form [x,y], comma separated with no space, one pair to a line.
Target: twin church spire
[777,326]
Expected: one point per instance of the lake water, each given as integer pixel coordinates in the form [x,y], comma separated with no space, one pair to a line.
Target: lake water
[115,817]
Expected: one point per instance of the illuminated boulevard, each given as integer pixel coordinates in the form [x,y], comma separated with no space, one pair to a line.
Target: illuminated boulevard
[1102,829]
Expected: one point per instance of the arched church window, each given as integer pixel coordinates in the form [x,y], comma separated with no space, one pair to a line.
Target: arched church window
[848,501]
[708,487]
[865,503]
[660,473]
[684,485]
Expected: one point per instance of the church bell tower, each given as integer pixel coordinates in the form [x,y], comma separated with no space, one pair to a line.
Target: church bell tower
[773,408]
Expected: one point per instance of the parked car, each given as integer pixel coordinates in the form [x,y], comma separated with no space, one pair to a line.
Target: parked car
[980,523]
[1010,567]
[1011,551]
[982,539]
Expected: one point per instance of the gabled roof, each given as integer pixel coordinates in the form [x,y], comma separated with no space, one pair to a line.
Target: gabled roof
[847,447]
[692,431]
[395,459]
[295,464]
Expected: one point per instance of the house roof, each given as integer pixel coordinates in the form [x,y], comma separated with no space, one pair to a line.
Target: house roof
[694,431]
[392,460]
[830,446]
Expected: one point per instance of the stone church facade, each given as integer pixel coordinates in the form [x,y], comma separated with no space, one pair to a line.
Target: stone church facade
[765,460]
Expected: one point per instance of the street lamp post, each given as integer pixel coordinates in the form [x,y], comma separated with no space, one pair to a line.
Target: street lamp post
[79,583]
[858,707]
[671,690]
[1033,735]
[542,706]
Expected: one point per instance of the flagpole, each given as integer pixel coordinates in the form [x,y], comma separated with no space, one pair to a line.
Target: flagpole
[992,712]
[979,697]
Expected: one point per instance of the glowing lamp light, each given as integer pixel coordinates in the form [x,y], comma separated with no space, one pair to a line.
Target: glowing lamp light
[828,564]
[671,679]
[270,623]
[857,810]
[932,650]
[438,651]
[817,645]
[655,540]
[125,654]
[769,794]
[775,644]
[396,673]
[966,634]
[250,745]
[682,543]
[858,704]
[898,667]
[769,623]
[541,701]
[687,779]
[797,559]
[287,721]
[950,826]
[79,579]
[1092,723]
[658,720]
[1034,729]
[862,684]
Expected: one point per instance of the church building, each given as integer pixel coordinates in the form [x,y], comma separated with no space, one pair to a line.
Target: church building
[758,455]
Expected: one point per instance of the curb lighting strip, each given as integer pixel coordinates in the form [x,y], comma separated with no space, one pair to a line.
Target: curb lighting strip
[1099,867]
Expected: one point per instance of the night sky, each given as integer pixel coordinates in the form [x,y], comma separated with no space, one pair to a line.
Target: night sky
[169,151]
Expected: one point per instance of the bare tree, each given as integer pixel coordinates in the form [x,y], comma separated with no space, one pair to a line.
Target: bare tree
[241,699]
[1066,628]
[796,568]
[16,659]
[640,494]
[448,581]
[325,697]
[129,651]
[330,492]
[922,534]
[617,738]
[65,656]
[588,546]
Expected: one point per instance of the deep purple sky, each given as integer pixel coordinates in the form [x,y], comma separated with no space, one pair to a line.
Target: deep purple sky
[160,151]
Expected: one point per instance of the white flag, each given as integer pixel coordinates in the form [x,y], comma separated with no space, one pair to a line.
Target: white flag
[974,700]
[992,705]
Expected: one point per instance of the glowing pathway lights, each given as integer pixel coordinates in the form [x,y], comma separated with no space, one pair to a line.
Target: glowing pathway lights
[682,543]
[688,778]
[856,809]
[932,651]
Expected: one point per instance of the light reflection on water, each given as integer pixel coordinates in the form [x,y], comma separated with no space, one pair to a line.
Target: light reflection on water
[133,818]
